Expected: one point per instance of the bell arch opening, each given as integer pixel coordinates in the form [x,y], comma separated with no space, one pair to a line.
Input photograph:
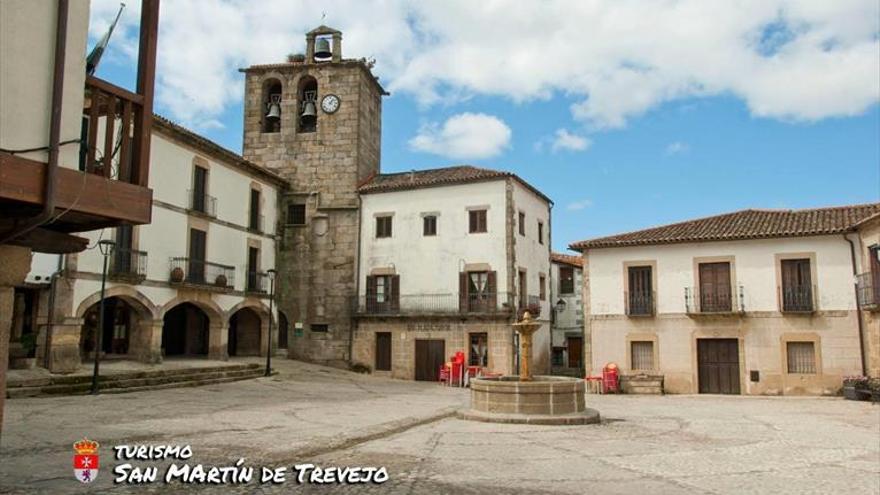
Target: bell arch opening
[271,106]
[308,104]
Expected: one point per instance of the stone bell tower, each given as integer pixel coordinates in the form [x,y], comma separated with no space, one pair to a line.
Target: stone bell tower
[316,120]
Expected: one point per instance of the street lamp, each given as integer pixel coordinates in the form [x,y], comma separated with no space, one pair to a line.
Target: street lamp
[560,306]
[106,247]
[271,274]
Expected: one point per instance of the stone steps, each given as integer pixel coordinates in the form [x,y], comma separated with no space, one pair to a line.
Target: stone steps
[134,381]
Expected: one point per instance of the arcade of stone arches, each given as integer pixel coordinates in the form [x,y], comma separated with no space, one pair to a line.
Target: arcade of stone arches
[134,328]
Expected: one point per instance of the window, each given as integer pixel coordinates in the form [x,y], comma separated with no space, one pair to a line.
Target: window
[477,291]
[319,327]
[383,351]
[254,220]
[523,292]
[477,221]
[200,189]
[522,223]
[383,226]
[542,287]
[715,295]
[540,232]
[383,293]
[296,214]
[797,289]
[566,280]
[640,297]
[429,225]
[253,276]
[801,357]
[642,355]
[479,350]
[383,286]
[197,244]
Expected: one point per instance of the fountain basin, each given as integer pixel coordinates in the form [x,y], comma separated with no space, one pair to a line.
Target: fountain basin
[548,400]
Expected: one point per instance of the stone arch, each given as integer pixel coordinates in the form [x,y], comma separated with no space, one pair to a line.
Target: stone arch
[248,328]
[272,91]
[216,321]
[138,301]
[215,312]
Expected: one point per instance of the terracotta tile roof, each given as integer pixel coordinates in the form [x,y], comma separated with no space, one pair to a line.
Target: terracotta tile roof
[744,224]
[436,177]
[213,149]
[567,259]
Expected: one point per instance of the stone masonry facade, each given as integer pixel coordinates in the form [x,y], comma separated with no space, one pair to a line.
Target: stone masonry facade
[316,260]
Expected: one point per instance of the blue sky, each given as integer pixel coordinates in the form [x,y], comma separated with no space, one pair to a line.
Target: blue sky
[650,142]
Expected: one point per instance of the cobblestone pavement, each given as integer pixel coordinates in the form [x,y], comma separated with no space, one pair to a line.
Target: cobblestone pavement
[671,444]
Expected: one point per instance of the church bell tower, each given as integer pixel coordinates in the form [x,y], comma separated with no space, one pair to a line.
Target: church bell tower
[316,120]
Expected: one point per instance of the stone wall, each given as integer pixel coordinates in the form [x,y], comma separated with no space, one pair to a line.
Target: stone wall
[454,332]
[317,262]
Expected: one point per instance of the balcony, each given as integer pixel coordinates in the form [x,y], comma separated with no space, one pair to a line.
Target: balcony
[640,303]
[186,271]
[435,304]
[532,304]
[868,289]
[202,203]
[128,265]
[797,299]
[257,282]
[719,303]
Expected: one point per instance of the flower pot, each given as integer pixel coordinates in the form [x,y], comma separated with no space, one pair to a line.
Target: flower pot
[849,393]
[177,274]
[220,281]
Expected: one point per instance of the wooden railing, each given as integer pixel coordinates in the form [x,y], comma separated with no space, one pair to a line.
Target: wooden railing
[123,153]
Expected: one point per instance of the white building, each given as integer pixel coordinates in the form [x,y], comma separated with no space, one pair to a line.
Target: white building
[750,302]
[567,324]
[192,282]
[446,258]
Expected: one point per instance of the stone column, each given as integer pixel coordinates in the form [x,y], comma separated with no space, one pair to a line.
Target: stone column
[218,340]
[15,263]
[64,356]
[146,343]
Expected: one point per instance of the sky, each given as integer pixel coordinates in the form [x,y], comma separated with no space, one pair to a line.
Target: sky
[627,114]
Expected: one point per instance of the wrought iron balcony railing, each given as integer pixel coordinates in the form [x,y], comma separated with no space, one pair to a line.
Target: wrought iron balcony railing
[198,272]
[257,282]
[128,263]
[868,289]
[434,304]
[797,298]
[255,223]
[202,203]
[639,303]
[718,302]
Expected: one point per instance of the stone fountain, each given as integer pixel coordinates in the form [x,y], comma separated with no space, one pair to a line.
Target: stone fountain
[523,398]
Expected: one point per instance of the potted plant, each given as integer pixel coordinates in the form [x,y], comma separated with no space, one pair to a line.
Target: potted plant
[220,281]
[177,274]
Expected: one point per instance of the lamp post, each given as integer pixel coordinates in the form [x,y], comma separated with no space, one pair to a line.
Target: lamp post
[271,274]
[106,247]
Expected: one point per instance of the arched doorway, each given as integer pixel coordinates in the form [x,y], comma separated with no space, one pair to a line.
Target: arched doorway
[185,331]
[283,328]
[244,333]
[121,320]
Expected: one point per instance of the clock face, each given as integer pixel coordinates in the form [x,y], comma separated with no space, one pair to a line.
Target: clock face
[330,103]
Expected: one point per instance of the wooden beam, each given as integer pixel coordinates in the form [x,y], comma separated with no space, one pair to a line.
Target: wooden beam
[103,199]
[146,79]
[48,241]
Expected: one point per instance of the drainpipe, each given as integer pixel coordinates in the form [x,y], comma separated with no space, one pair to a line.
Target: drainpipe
[54,130]
[855,270]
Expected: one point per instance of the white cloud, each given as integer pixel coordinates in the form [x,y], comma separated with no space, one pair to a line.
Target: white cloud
[564,140]
[677,147]
[800,61]
[464,136]
[579,205]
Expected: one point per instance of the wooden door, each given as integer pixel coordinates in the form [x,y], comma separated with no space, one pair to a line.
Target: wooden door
[718,366]
[429,358]
[715,287]
[575,352]
[200,182]
[383,351]
[252,263]
[197,243]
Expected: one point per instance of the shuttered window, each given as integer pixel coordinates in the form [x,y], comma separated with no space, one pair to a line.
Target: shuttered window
[642,355]
[383,226]
[429,226]
[797,288]
[715,295]
[477,221]
[801,357]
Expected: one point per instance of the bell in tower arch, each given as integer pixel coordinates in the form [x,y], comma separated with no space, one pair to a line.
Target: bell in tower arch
[322,49]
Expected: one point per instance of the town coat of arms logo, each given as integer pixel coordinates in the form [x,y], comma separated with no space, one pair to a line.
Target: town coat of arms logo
[85,460]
